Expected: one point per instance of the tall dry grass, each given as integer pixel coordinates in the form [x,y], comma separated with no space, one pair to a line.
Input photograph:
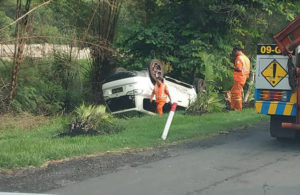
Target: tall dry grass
[24,121]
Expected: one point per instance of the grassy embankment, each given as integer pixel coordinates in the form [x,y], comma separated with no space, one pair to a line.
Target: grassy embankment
[23,144]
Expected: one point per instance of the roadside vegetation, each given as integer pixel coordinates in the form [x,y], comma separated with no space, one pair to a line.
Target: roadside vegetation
[192,38]
[27,145]
[40,98]
[92,120]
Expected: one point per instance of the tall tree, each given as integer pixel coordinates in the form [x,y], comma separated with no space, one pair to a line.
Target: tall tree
[103,26]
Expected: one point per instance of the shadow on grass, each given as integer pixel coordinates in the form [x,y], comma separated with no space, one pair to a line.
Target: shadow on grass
[104,129]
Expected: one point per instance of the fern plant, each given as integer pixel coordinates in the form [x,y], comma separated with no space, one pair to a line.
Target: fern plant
[215,103]
[208,102]
[89,118]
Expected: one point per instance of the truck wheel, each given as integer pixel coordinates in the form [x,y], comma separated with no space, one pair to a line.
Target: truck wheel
[200,86]
[277,131]
[155,70]
[292,74]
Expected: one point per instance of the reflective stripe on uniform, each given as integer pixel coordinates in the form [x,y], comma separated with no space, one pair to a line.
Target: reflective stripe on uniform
[237,99]
[160,94]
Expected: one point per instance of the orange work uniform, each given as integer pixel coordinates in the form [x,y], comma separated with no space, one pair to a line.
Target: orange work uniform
[242,63]
[161,93]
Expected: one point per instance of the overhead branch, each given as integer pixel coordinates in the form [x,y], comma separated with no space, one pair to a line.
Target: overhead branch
[26,14]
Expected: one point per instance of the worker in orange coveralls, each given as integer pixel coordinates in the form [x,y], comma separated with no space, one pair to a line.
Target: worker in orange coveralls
[161,92]
[240,75]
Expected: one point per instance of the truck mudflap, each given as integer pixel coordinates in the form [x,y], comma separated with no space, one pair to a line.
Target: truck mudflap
[276,108]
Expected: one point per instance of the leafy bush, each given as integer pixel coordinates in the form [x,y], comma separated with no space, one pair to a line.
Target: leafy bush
[66,73]
[215,103]
[5,73]
[47,86]
[45,100]
[209,102]
[6,33]
[92,120]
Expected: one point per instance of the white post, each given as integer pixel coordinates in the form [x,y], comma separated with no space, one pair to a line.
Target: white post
[169,121]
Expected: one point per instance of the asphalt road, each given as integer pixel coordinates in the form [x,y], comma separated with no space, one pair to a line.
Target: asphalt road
[247,162]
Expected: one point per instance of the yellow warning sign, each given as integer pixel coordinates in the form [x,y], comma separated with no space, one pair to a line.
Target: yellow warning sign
[274,73]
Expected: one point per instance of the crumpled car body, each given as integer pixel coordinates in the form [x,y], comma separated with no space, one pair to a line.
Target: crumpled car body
[131,91]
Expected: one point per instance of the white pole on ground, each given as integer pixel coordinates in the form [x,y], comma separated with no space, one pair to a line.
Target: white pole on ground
[169,121]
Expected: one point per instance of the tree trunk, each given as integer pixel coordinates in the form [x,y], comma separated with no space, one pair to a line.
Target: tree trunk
[20,32]
[104,29]
[101,68]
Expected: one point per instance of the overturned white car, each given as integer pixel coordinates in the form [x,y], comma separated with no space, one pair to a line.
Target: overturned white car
[127,91]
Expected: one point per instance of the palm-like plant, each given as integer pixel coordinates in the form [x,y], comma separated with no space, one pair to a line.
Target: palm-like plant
[89,118]
[207,102]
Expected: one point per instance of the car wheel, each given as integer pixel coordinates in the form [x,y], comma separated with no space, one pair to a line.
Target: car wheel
[155,69]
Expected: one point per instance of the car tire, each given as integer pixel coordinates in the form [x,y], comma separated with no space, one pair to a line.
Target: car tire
[155,69]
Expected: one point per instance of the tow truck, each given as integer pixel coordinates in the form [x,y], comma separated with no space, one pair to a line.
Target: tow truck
[277,87]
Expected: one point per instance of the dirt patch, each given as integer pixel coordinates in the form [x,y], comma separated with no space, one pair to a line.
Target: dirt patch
[61,173]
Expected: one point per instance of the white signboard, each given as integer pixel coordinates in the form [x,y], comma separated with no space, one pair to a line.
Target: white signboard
[271,70]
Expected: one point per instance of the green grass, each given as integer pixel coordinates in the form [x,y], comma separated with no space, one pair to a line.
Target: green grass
[22,148]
